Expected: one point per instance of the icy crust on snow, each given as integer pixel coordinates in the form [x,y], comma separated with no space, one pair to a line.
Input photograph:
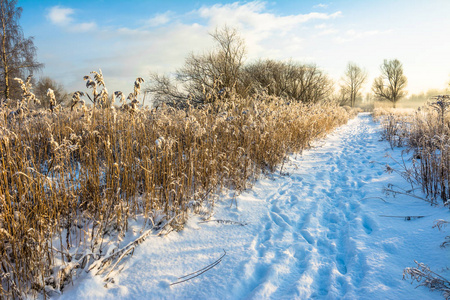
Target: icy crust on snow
[321,232]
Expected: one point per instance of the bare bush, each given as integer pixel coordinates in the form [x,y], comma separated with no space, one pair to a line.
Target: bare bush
[290,80]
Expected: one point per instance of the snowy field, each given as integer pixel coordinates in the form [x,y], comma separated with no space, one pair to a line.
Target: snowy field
[321,232]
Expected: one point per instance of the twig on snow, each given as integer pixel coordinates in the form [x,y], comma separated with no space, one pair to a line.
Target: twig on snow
[201,271]
[388,190]
[130,250]
[407,218]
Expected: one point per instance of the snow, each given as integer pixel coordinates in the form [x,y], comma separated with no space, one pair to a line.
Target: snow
[322,231]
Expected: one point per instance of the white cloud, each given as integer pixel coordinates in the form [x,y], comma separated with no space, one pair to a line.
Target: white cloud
[266,34]
[352,34]
[320,5]
[162,43]
[83,27]
[159,19]
[253,15]
[328,31]
[60,15]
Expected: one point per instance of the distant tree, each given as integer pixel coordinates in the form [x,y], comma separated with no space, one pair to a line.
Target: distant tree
[17,53]
[340,97]
[300,82]
[222,70]
[391,84]
[216,70]
[165,89]
[352,82]
[41,88]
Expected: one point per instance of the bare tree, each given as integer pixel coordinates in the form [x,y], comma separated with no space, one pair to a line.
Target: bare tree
[294,81]
[352,82]
[205,76]
[17,52]
[391,84]
[41,89]
[217,70]
[340,97]
[165,90]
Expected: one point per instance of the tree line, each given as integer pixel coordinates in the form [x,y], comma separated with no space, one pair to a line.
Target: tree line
[223,70]
[207,77]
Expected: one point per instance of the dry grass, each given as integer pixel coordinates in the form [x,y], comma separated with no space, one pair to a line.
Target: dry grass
[426,277]
[426,134]
[69,178]
[395,123]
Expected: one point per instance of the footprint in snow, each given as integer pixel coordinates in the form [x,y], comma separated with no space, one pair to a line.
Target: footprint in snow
[369,224]
[308,237]
[340,264]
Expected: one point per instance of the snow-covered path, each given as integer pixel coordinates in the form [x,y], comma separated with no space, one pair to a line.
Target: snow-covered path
[318,233]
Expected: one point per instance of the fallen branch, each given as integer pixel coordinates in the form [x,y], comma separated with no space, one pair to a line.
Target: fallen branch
[118,261]
[106,261]
[201,271]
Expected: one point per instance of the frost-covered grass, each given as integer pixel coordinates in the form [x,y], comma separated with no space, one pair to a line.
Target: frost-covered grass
[426,134]
[72,180]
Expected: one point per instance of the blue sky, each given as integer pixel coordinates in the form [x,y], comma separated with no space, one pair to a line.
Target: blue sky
[129,39]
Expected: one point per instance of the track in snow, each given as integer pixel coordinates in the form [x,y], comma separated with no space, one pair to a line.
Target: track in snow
[316,233]
[306,236]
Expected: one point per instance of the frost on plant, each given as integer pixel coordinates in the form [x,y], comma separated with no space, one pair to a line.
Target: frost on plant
[425,277]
